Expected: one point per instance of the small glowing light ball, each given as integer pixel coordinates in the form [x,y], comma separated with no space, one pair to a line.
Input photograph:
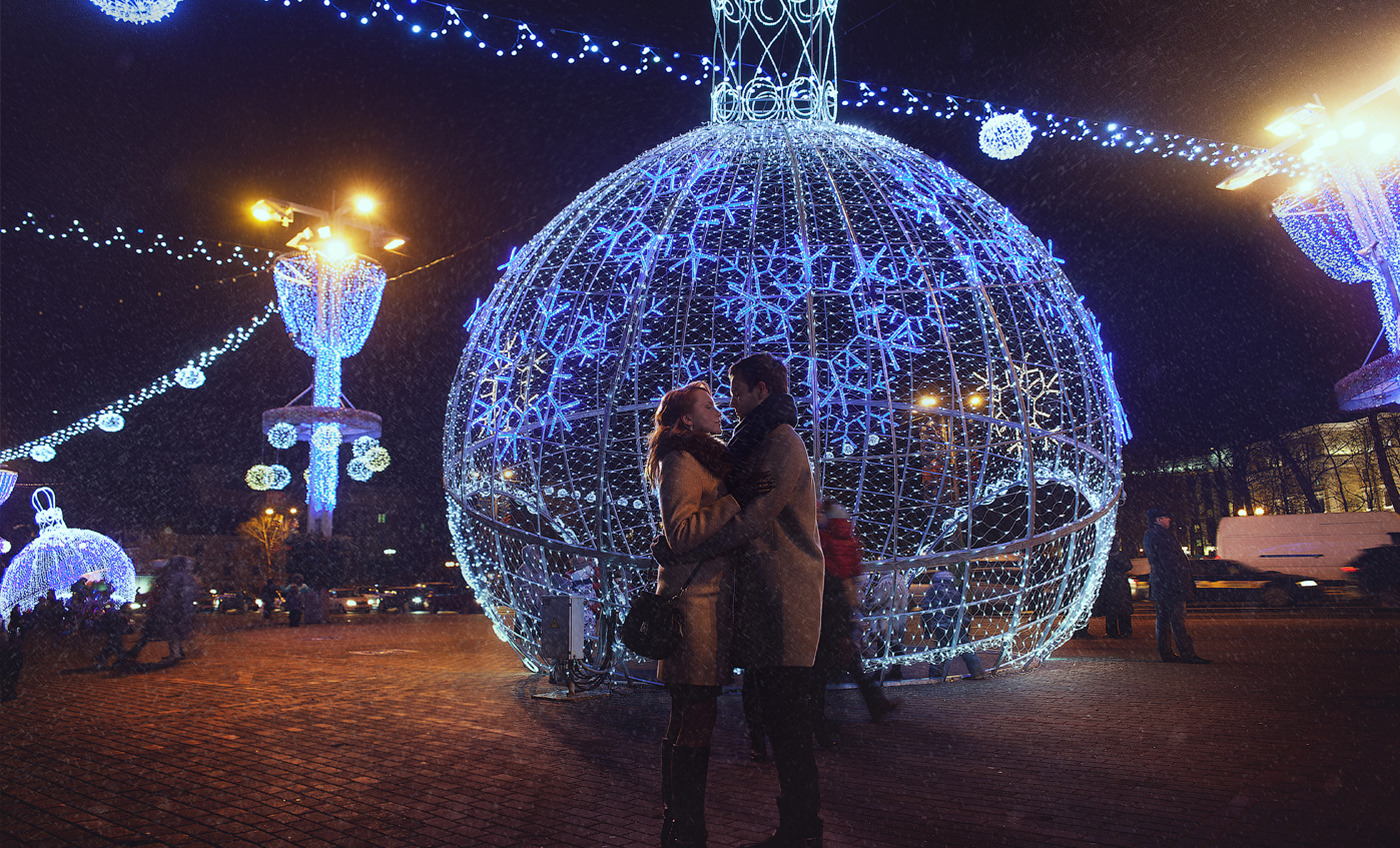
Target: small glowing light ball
[377,460]
[358,470]
[43,453]
[256,478]
[1005,136]
[137,11]
[110,422]
[190,377]
[278,477]
[883,278]
[326,436]
[282,435]
[364,445]
[59,557]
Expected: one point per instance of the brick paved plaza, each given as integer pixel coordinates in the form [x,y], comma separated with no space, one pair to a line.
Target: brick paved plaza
[420,730]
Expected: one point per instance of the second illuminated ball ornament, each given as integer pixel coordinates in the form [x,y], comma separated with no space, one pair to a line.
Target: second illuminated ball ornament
[951,385]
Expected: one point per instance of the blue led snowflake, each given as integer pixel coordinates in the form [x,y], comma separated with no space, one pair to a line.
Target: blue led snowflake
[967,413]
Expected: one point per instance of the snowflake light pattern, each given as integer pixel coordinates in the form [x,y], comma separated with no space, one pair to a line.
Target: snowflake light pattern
[952,386]
[1005,136]
[59,557]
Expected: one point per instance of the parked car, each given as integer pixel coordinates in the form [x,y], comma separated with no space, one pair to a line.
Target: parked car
[1223,580]
[451,597]
[350,600]
[235,602]
[403,598]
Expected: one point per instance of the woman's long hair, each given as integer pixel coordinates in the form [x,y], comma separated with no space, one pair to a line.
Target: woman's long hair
[675,405]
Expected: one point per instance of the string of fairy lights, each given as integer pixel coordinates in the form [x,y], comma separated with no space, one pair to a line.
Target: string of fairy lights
[1004,131]
[112,417]
[139,240]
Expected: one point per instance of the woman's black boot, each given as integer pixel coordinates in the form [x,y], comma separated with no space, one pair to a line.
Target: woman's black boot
[668,821]
[690,769]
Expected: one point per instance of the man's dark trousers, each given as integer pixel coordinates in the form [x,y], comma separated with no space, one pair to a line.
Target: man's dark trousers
[787,719]
[1171,624]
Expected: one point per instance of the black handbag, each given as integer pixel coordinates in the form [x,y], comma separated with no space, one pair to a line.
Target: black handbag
[653,627]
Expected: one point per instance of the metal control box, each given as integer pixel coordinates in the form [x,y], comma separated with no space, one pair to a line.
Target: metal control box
[561,627]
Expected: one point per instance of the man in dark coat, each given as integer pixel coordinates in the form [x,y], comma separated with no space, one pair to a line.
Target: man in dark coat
[1115,595]
[1171,583]
[778,583]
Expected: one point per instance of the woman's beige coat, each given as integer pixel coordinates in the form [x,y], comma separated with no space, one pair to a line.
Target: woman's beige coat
[693,506]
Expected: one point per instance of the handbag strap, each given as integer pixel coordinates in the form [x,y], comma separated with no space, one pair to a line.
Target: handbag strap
[686,584]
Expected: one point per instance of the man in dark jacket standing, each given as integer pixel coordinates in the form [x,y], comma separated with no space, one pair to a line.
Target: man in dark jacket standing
[1171,583]
[778,583]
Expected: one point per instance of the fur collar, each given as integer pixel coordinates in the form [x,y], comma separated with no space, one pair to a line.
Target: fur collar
[707,450]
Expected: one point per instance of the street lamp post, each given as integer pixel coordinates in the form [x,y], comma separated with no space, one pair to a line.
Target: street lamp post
[1344,216]
[329,297]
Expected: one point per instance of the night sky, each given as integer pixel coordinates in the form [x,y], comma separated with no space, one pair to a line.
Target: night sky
[1221,329]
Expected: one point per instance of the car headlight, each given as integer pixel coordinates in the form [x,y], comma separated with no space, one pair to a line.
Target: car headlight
[351,604]
[1308,583]
[418,600]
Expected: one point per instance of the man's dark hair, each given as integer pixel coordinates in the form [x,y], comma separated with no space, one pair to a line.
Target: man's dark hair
[762,368]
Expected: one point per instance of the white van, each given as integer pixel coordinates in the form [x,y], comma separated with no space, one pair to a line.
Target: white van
[1316,545]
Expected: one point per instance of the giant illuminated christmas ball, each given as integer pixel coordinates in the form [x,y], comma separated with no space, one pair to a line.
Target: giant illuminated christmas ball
[60,557]
[953,391]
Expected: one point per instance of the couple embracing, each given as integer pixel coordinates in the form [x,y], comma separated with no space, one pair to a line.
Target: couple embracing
[739,523]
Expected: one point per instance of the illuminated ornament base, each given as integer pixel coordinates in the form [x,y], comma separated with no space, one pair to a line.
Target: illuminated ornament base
[348,290]
[110,422]
[137,11]
[59,557]
[8,479]
[1005,136]
[1318,220]
[951,385]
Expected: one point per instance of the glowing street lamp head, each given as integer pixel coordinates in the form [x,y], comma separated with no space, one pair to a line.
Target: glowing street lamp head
[336,250]
[394,243]
[364,204]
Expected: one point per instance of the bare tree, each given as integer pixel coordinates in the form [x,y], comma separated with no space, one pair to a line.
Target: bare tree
[270,532]
[1383,460]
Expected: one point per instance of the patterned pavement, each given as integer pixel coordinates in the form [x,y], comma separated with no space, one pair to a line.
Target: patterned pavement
[420,730]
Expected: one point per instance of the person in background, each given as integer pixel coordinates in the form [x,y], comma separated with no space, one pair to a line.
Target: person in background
[946,623]
[294,599]
[268,596]
[1171,585]
[837,651]
[1116,595]
[170,617]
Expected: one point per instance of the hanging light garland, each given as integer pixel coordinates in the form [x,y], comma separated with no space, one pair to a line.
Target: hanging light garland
[503,37]
[142,241]
[190,375]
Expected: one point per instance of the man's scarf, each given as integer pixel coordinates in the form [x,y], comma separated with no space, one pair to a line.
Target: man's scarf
[777,409]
